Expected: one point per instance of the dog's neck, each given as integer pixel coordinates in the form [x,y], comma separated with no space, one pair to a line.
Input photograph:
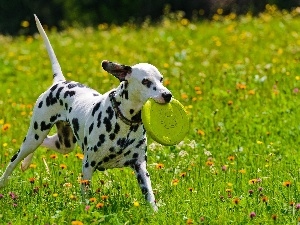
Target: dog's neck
[126,105]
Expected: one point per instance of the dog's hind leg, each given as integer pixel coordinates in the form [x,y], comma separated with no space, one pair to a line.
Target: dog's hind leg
[32,140]
[63,142]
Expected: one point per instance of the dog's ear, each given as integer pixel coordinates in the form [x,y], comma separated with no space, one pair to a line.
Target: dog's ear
[119,71]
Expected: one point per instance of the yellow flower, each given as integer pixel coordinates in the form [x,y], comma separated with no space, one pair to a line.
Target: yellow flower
[175,182]
[63,166]
[53,156]
[6,126]
[79,156]
[252,181]
[189,221]
[93,199]
[209,163]
[76,222]
[287,183]
[231,158]
[200,132]
[242,171]
[136,204]
[259,142]
[236,201]
[104,197]
[55,195]
[100,205]
[159,166]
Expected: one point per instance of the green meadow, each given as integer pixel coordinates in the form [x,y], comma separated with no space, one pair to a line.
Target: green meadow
[238,78]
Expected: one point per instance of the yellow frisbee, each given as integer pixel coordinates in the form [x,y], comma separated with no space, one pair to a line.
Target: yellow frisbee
[165,123]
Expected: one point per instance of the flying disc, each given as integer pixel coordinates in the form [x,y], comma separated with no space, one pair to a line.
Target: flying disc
[166,124]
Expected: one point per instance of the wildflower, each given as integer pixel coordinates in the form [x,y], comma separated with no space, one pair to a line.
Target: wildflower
[250,192]
[32,166]
[190,189]
[93,199]
[68,185]
[209,163]
[87,208]
[182,174]
[264,199]
[224,168]
[14,205]
[76,222]
[251,92]
[287,183]
[231,158]
[252,181]
[31,180]
[175,182]
[260,189]
[66,155]
[229,102]
[100,205]
[242,171]
[136,204]
[202,219]
[53,156]
[228,190]
[189,221]
[72,197]
[6,126]
[259,142]
[184,96]
[1,196]
[274,217]
[200,132]
[24,23]
[104,197]
[55,195]
[241,86]
[13,195]
[79,156]
[36,190]
[63,166]
[85,182]
[292,203]
[236,201]
[297,206]
[252,215]
[159,166]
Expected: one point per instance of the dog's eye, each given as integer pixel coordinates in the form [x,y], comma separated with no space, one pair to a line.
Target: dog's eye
[147,83]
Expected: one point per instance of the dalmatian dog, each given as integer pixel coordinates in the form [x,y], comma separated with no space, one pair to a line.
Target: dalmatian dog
[107,127]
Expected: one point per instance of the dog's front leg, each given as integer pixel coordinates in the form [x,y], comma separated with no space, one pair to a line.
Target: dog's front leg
[144,181]
[87,172]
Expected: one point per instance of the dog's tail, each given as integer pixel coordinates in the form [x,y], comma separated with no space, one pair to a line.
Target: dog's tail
[56,69]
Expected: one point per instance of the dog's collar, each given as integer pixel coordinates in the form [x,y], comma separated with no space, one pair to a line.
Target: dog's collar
[119,113]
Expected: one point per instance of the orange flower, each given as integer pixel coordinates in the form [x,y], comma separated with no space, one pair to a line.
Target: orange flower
[79,156]
[53,156]
[6,126]
[76,222]
[229,102]
[264,199]
[231,158]
[236,201]
[287,183]
[85,182]
[93,199]
[63,166]
[251,92]
[31,180]
[241,86]
[182,174]
[252,181]
[200,132]
[209,163]
[99,205]
[175,182]
[159,166]
[32,166]
[104,197]
[189,221]
[190,189]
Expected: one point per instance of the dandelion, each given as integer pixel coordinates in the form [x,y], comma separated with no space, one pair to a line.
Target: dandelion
[66,155]
[99,205]
[252,215]
[201,132]
[287,183]
[242,171]
[136,204]
[55,195]
[159,166]
[259,142]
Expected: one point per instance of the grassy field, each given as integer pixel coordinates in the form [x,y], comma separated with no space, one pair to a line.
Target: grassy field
[239,80]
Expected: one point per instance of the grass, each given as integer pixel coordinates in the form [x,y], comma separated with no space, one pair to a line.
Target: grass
[239,80]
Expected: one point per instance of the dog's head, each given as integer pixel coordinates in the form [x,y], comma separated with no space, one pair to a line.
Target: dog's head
[143,79]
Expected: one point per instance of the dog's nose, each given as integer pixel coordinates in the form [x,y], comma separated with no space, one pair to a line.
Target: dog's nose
[167,96]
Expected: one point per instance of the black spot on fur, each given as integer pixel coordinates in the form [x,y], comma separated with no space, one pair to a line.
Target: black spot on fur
[85,140]
[137,117]
[107,123]
[66,106]
[40,104]
[93,163]
[61,102]
[144,190]
[134,128]
[86,165]
[110,112]
[131,111]
[15,156]
[112,136]
[69,93]
[91,128]
[99,119]
[130,162]
[36,137]
[141,142]
[35,125]
[24,139]
[96,107]
[127,153]
[53,118]
[124,94]
[111,149]
[45,126]
[70,109]
[106,159]
[53,87]
[58,92]
[117,128]
[112,156]
[75,127]
[50,100]
[135,155]
[72,85]
[102,138]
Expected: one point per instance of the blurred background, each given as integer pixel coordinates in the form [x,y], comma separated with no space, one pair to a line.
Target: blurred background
[16,16]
